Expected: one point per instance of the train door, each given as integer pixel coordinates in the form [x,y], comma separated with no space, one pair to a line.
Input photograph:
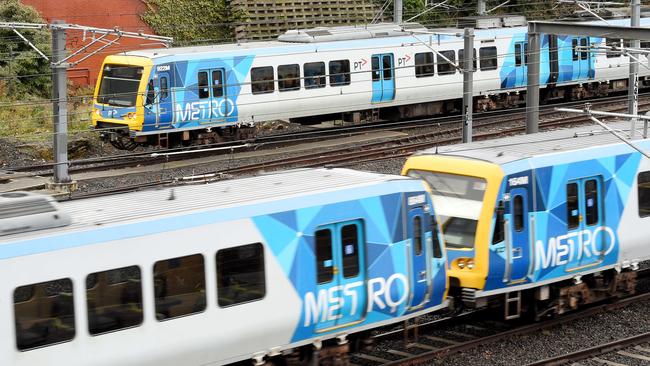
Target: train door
[518,247]
[340,271]
[383,78]
[165,109]
[420,276]
[521,67]
[584,218]
[581,58]
[218,102]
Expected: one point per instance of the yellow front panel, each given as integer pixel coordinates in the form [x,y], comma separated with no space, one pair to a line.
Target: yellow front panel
[493,174]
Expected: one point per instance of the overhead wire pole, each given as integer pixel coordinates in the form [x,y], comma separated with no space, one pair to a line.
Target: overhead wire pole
[481,7]
[633,83]
[468,83]
[532,89]
[398,10]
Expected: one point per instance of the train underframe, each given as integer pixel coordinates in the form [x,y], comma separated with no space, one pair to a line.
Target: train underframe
[493,102]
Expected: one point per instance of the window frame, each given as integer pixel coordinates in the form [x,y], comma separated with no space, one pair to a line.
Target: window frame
[424,69]
[487,64]
[170,266]
[263,82]
[646,193]
[284,80]
[575,205]
[203,90]
[259,257]
[319,80]
[346,75]
[519,222]
[442,62]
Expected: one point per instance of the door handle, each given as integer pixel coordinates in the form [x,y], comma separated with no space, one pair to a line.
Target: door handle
[500,250]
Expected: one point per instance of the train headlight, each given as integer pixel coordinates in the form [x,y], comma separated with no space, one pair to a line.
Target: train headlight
[470,264]
[97,112]
[461,263]
[131,115]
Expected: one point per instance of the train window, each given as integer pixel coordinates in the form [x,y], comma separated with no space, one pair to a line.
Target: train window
[573,213]
[375,68]
[614,44]
[499,233]
[324,259]
[643,186]
[288,77]
[314,75]
[204,86]
[488,56]
[151,93]
[387,64]
[217,83]
[444,66]
[339,72]
[164,87]
[574,49]
[517,54]
[350,250]
[262,80]
[424,64]
[240,274]
[461,59]
[437,248]
[584,53]
[114,299]
[417,235]
[518,213]
[645,45]
[591,201]
[179,286]
[44,314]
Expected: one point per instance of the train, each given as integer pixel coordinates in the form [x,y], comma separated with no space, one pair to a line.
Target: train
[208,94]
[299,267]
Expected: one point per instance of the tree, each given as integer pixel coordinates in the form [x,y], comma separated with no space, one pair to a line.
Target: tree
[189,21]
[22,70]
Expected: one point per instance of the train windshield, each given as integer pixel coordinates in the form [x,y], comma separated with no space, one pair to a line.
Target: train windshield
[119,85]
[457,200]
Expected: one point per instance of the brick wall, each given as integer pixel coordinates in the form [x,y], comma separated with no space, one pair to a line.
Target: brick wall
[124,14]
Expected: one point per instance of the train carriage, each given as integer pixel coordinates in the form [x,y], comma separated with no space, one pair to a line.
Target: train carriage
[550,220]
[218,273]
[204,94]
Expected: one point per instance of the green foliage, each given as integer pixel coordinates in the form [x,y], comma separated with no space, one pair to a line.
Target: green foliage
[22,70]
[191,21]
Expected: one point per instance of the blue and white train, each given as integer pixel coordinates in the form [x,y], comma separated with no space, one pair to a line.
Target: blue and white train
[209,93]
[214,274]
[541,223]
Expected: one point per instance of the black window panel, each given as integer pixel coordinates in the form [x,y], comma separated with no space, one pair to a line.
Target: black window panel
[444,67]
[179,286]
[164,87]
[488,56]
[339,72]
[262,80]
[151,93]
[526,53]
[417,235]
[643,187]
[288,77]
[584,54]
[350,250]
[499,232]
[204,86]
[324,259]
[518,213]
[424,64]
[461,58]
[114,299]
[437,248]
[574,49]
[614,43]
[645,45]
[573,211]
[375,68]
[388,67]
[217,83]
[44,314]
[591,201]
[240,274]
[314,75]
[517,54]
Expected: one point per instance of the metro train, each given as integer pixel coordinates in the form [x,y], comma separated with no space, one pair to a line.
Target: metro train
[204,94]
[541,223]
[214,274]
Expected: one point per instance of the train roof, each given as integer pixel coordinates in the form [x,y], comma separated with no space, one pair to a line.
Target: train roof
[283,47]
[514,148]
[317,184]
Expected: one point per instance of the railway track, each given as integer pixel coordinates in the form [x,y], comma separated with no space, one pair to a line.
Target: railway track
[426,343]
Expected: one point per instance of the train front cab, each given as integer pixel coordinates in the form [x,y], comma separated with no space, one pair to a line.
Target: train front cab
[464,193]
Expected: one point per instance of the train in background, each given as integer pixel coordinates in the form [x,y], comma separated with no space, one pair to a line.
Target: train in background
[205,94]
[541,223]
[272,266]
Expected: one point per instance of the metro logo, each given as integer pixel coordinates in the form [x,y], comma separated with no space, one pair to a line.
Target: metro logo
[326,306]
[564,249]
[204,110]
